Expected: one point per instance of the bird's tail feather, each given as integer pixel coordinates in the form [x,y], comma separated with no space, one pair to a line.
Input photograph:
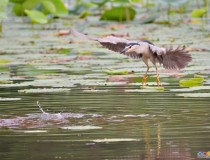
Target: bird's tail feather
[82,36]
[176,58]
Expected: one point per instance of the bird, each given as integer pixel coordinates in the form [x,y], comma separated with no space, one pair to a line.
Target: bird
[170,58]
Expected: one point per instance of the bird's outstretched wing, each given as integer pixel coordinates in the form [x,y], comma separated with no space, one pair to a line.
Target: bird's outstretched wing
[82,36]
[112,43]
[176,58]
[171,58]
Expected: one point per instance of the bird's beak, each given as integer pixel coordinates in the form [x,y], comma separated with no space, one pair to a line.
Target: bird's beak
[124,50]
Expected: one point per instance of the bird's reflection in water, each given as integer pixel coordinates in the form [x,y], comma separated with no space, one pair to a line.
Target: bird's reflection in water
[165,149]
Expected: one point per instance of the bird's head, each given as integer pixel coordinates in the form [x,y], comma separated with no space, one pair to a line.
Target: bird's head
[131,47]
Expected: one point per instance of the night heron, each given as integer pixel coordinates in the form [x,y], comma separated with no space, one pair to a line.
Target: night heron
[170,58]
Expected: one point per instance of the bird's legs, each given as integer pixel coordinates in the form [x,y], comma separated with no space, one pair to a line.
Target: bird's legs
[158,78]
[145,77]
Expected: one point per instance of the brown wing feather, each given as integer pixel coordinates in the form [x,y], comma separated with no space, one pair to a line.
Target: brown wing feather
[110,42]
[113,43]
[82,36]
[118,47]
[176,58]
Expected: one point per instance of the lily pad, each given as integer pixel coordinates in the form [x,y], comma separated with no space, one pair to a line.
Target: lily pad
[4,61]
[115,72]
[108,140]
[197,13]
[153,88]
[88,127]
[119,14]
[14,85]
[196,95]
[191,89]
[95,90]
[35,131]
[142,90]
[9,99]
[37,16]
[44,90]
[196,81]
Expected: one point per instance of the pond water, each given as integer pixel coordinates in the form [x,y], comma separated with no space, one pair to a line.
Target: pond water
[59,102]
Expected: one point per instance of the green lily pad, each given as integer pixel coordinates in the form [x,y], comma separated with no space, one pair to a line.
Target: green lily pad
[4,61]
[108,140]
[195,88]
[49,6]
[114,72]
[30,4]
[197,13]
[119,14]
[196,81]
[44,90]
[9,99]
[146,89]
[37,16]
[88,127]
[194,94]
[61,10]
[35,131]
[5,82]
[84,14]
[153,88]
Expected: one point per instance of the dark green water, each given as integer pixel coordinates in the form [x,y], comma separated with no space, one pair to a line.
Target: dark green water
[114,118]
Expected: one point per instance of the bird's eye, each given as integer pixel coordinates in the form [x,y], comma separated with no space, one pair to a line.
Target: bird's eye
[129,46]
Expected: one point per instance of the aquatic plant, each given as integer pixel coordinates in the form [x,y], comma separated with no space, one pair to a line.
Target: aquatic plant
[39,11]
[3,4]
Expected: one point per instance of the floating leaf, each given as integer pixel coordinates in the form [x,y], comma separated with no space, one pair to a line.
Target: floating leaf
[100,3]
[3,14]
[49,6]
[30,4]
[88,127]
[17,1]
[14,84]
[153,88]
[84,14]
[4,61]
[35,131]
[191,89]
[197,13]
[194,94]
[95,90]
[44,90]
[37,16]
[196,81]
[108,140]
[5,82]
[9,99]
[149,19]
[3,3]
[61,10]
[111,72]
[146,89]
[18,9]
[119,14]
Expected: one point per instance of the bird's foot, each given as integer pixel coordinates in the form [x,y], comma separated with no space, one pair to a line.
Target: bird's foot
[144,81]
[158,82]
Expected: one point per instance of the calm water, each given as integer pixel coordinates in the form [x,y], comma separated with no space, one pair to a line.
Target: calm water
[97,116]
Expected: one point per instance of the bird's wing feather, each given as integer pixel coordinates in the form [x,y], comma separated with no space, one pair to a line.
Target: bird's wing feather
[176,58]
[113,43]
[82,36]
[157,50]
